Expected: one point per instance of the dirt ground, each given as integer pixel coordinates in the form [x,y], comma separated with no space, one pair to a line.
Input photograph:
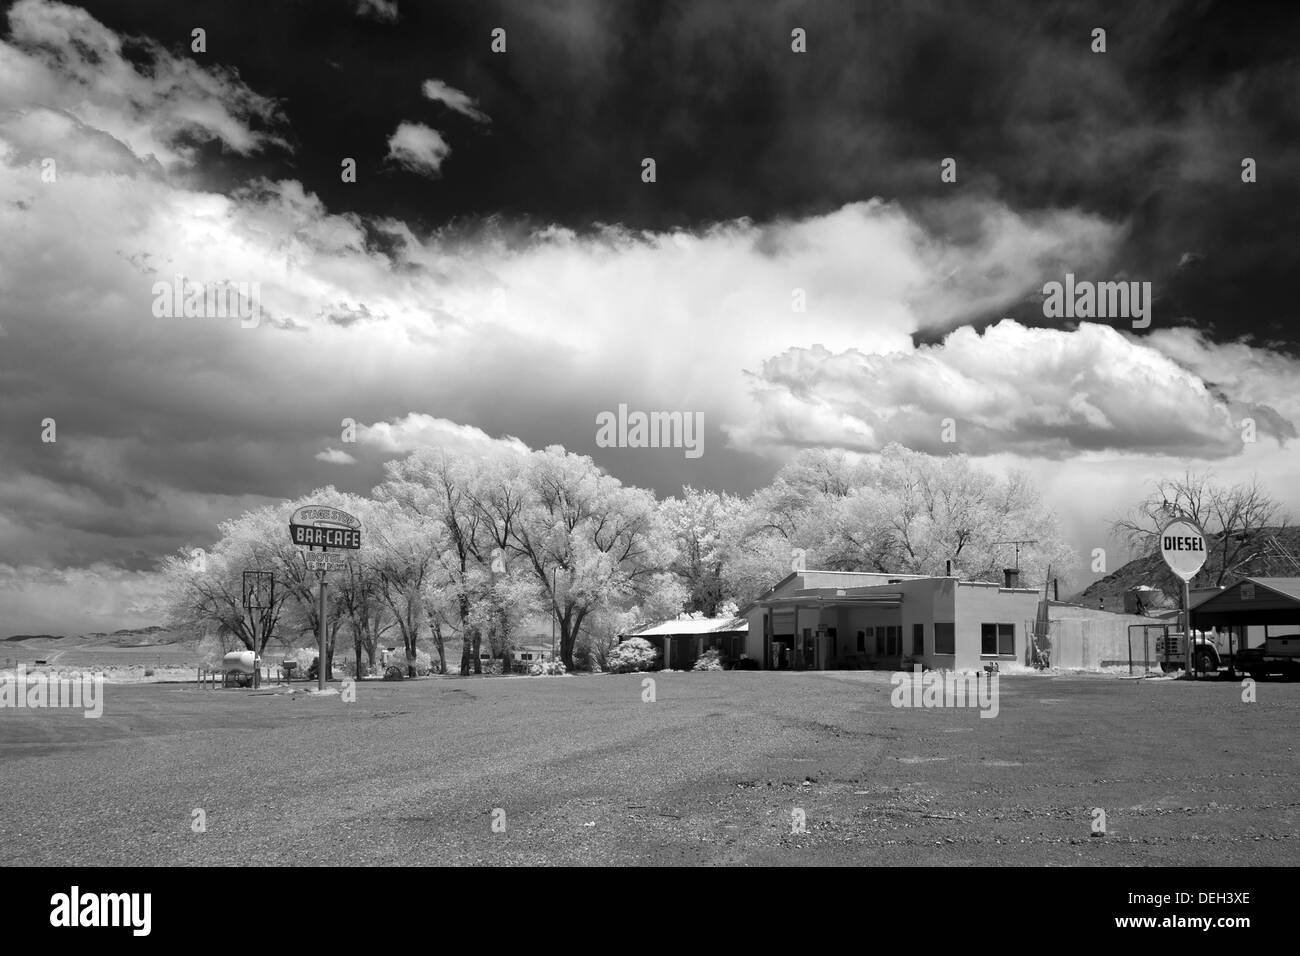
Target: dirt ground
[719,769]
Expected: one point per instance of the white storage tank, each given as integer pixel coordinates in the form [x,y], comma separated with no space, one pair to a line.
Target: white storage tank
[245,662]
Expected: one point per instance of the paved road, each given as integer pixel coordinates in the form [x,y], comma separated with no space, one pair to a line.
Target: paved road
[712,772]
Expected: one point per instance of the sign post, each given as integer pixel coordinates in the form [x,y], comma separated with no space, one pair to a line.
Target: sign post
[320,526]
[320,637]
[1182,545]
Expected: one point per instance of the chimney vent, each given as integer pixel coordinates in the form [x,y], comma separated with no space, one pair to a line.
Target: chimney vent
[1011,577]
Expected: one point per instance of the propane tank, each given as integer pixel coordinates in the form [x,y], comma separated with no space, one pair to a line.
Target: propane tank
[245,662]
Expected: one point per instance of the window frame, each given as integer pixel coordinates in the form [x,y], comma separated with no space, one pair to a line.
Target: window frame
[951,627]
[1001,630]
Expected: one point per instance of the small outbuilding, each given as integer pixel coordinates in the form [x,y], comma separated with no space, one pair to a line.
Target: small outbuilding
[681,642]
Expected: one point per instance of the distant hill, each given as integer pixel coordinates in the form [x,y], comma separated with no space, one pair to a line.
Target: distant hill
[150,636]
[1108,592]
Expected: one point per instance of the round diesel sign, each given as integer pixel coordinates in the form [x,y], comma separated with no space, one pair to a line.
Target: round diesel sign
[1182,544]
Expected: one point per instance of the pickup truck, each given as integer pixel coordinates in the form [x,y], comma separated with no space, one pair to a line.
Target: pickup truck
[1211,653]
[1277,655]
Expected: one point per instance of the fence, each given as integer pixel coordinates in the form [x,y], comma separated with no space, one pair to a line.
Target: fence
[212,677]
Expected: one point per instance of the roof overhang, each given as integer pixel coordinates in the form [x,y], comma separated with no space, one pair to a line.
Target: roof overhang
[887,600]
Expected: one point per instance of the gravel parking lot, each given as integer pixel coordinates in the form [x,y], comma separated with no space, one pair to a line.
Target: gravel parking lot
[581,770]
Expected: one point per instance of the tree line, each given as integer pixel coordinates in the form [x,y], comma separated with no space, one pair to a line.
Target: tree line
[469,547]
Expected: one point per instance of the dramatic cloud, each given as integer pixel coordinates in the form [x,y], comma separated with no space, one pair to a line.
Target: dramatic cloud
[1032,392]
[418,148]
[795,330]
[454,99]
[61,69]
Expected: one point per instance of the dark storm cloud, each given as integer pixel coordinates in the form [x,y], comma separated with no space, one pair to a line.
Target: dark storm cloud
[1151,133]
[1123,163]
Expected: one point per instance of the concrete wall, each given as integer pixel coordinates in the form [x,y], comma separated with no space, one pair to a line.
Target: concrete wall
[926,603]
[978,604]
[1084,638]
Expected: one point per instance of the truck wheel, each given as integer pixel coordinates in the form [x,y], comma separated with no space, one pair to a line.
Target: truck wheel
[1205,663]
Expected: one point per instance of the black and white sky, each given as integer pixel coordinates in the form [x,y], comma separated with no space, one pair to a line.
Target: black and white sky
[499,272]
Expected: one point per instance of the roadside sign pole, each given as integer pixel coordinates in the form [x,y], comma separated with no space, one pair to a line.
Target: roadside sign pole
[320,526]
[320,661]
[1183,546]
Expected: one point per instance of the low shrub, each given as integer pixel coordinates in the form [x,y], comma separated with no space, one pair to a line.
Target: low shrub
[305,657]
[547,669]
[634,654]
[710,660]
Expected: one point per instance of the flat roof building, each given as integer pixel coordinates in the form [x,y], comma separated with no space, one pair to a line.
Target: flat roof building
[824,620]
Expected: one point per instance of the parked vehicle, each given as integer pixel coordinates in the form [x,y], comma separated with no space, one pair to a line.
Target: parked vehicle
[1277,655]
[1212,652]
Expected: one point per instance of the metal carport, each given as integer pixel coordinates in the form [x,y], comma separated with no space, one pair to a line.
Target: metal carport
[1251,602]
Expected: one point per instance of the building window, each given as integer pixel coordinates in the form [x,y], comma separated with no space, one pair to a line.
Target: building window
[862,642]
[918,639]
[998,640]
[880,642]
[895,639]
[945,638]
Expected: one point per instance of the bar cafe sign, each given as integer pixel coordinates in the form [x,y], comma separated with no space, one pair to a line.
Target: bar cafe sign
[1182,545]
[317,526]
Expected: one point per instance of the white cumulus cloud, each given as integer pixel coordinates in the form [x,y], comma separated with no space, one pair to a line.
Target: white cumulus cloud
[454,99]
[418,148]
[418,430]
[1029,391]
[335,456]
